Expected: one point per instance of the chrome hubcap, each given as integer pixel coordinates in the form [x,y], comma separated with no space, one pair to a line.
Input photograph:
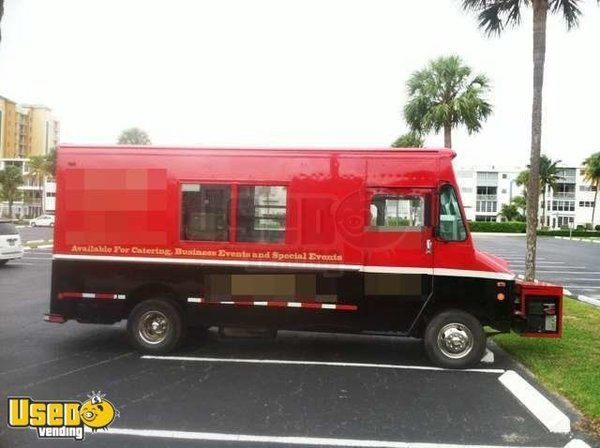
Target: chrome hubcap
[153,327]
[455,340]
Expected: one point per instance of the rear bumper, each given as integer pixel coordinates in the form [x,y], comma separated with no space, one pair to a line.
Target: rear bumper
[11,253]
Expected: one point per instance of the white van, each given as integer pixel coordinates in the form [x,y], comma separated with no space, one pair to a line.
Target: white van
[10,242]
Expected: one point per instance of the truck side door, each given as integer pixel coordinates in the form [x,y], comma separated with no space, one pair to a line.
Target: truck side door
[398,257]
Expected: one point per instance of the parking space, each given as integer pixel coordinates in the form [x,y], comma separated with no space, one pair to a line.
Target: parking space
[294,390]
[35,233]
[573,264]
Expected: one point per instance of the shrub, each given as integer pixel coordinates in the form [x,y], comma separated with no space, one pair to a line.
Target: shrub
[504,227]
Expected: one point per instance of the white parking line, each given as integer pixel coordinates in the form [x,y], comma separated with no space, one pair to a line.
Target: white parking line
[287,440]
[550,416]
[314,363]
[579,279]
[540,264]
[541,271]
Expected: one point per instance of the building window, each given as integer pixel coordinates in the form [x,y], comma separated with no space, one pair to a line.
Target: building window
[486,206]
[397,213]
[504,191]
[587,188]
[504,176]
[261,213]
[205,212]
[586,203]
[563,206]
[485,218]
[489,191]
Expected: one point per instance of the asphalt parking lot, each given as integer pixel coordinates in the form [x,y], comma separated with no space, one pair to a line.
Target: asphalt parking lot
[294,390]
[573,264]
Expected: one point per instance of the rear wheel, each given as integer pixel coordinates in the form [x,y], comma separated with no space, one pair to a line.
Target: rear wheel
[454,339]
[3,262]
[155,326]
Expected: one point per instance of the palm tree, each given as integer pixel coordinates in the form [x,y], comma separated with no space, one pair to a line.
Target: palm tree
[592,175]
[39,169]
[445,95]
[1,14]
[521,204]
[549,177]
[134,136]
[494,16]
[510,212]
[11,179]
[409,140]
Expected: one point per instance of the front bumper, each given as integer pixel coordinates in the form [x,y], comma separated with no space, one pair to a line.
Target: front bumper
[538,309]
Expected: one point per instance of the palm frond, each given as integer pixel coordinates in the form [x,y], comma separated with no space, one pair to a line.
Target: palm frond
[495,15]
[569,10]
[490,20]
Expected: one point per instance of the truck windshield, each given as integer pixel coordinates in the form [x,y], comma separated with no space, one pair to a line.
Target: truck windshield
[451,227]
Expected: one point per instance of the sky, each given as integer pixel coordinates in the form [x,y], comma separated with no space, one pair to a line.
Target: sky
[290,73]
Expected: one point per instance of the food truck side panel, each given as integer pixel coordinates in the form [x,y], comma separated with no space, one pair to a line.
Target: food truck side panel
[119,236]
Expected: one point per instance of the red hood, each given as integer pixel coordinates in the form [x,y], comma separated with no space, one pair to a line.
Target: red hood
[493,262]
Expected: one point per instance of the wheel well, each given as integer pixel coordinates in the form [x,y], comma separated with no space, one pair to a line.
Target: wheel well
[441,304]
[151,291]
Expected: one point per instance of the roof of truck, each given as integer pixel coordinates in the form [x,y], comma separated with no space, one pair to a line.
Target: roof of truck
[151,148]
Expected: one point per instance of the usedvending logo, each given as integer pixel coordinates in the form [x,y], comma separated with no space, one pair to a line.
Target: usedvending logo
[61,419]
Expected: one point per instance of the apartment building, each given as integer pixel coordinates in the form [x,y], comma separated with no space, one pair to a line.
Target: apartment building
[485,190]
[26,130]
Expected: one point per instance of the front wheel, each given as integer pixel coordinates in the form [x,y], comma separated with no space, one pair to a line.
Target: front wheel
[454,339]
[155,326]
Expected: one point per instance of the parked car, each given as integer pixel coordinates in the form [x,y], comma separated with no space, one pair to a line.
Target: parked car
[10,242]
[42,221]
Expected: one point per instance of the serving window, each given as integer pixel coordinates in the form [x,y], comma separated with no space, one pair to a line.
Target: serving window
[261,213]
[396,213]
[205,212]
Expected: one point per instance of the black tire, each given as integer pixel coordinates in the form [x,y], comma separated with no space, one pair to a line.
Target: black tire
[454,339]
[155,326]
[3,262]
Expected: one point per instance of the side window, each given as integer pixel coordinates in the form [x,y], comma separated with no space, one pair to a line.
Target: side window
[397,213]
[205,212]
[261,214]
[452,227]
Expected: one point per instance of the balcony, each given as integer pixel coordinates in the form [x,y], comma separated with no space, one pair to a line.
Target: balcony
[564,195]
[487,197]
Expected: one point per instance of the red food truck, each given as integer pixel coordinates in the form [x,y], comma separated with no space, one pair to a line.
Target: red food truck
[371,241]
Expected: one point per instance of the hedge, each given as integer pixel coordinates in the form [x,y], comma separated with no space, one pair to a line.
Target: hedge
[504,227]
[520,227]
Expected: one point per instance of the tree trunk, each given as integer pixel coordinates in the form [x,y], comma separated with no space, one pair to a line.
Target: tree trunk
[540,12]
[43,185]
[543,206]
[595,199]
[10,204]
[448,135]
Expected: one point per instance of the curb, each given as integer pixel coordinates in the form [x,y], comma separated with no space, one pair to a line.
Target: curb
[586,240]
[582,298]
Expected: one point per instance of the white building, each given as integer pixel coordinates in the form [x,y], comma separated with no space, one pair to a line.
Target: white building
[485,190]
